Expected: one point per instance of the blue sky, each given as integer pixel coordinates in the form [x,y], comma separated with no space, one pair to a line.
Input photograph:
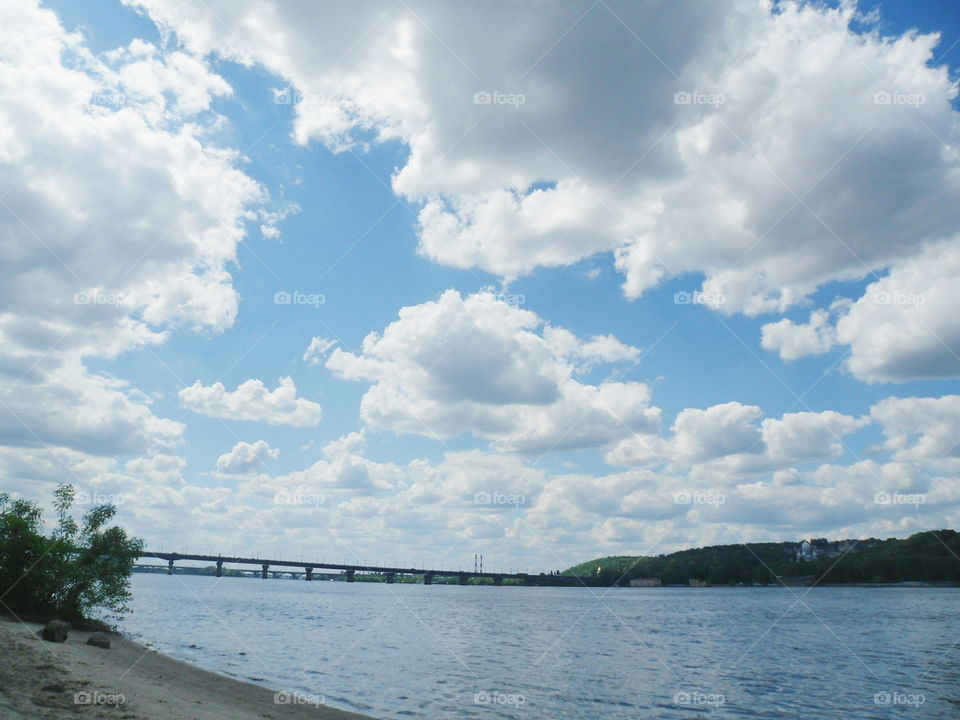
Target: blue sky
[349,195]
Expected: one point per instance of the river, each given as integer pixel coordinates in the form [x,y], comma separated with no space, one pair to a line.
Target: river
[438,651]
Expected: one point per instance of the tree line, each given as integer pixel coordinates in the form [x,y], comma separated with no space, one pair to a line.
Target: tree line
[932,556]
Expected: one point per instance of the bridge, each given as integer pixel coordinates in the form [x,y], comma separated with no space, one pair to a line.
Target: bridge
[276,568]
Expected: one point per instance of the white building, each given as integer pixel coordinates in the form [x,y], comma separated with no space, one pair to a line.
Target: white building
[806,551]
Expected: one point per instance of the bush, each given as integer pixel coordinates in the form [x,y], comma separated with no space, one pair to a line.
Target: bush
[71,572]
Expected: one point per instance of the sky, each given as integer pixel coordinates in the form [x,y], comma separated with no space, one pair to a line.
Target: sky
[407,281]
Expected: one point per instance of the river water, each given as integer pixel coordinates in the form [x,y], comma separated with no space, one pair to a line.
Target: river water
[416,651]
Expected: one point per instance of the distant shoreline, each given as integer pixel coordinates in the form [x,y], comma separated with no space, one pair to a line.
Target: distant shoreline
[771,586]
[40,679]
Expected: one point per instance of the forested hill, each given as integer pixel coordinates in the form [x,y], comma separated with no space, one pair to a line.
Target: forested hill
[932,556]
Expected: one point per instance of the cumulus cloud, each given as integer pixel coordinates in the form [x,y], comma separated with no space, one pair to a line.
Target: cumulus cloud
[902,328]
[726,442]
[461,504]
[157,470]
[117,223]
[317,350]
[245,458]
[926,429]
[252,401]
[64,405]
[145,78]
[342,470]
[905,327]
[719,430]
[808,436]
[598,349]
[792,340]
[771,148]
[479,365]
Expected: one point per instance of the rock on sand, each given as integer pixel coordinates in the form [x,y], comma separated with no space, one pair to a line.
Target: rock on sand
[55,631]
[100,640]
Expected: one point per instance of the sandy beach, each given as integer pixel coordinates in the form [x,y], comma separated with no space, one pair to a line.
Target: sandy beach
[40,679]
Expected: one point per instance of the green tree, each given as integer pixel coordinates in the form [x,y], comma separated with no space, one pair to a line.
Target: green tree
[79,567]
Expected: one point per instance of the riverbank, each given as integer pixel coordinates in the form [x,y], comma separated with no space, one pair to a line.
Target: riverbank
[40,679]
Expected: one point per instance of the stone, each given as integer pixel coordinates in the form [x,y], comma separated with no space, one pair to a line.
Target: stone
[100,640]
[55,631]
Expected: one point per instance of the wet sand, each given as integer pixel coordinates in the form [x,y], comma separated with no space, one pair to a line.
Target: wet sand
[40,679]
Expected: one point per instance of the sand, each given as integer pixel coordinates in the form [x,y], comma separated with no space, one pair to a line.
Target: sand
[40,679]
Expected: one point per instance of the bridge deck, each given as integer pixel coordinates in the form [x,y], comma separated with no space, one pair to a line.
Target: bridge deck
[384,570]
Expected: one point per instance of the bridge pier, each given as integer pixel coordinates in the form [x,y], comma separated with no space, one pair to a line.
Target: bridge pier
[428,579]
[219,568]
[169,567]
[349,574]
[390,578]
[462,579]
[497,580]
[309,574]
[264,569]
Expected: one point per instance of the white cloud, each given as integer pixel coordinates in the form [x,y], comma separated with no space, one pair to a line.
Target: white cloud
[372,510]
[245,458]
[808,436]
[725,429]
[343,469]
[921,429]
[117,224]
[157,470]
[145,78]
[902,328]
[599,348]
[905,327]
[823,153]
[252,401]
[724,443]
[61,404]
[478,365]
[317,350]
[793,341]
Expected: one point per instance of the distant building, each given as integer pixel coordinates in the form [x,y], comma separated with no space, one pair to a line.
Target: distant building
[645,582]
[806,551]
